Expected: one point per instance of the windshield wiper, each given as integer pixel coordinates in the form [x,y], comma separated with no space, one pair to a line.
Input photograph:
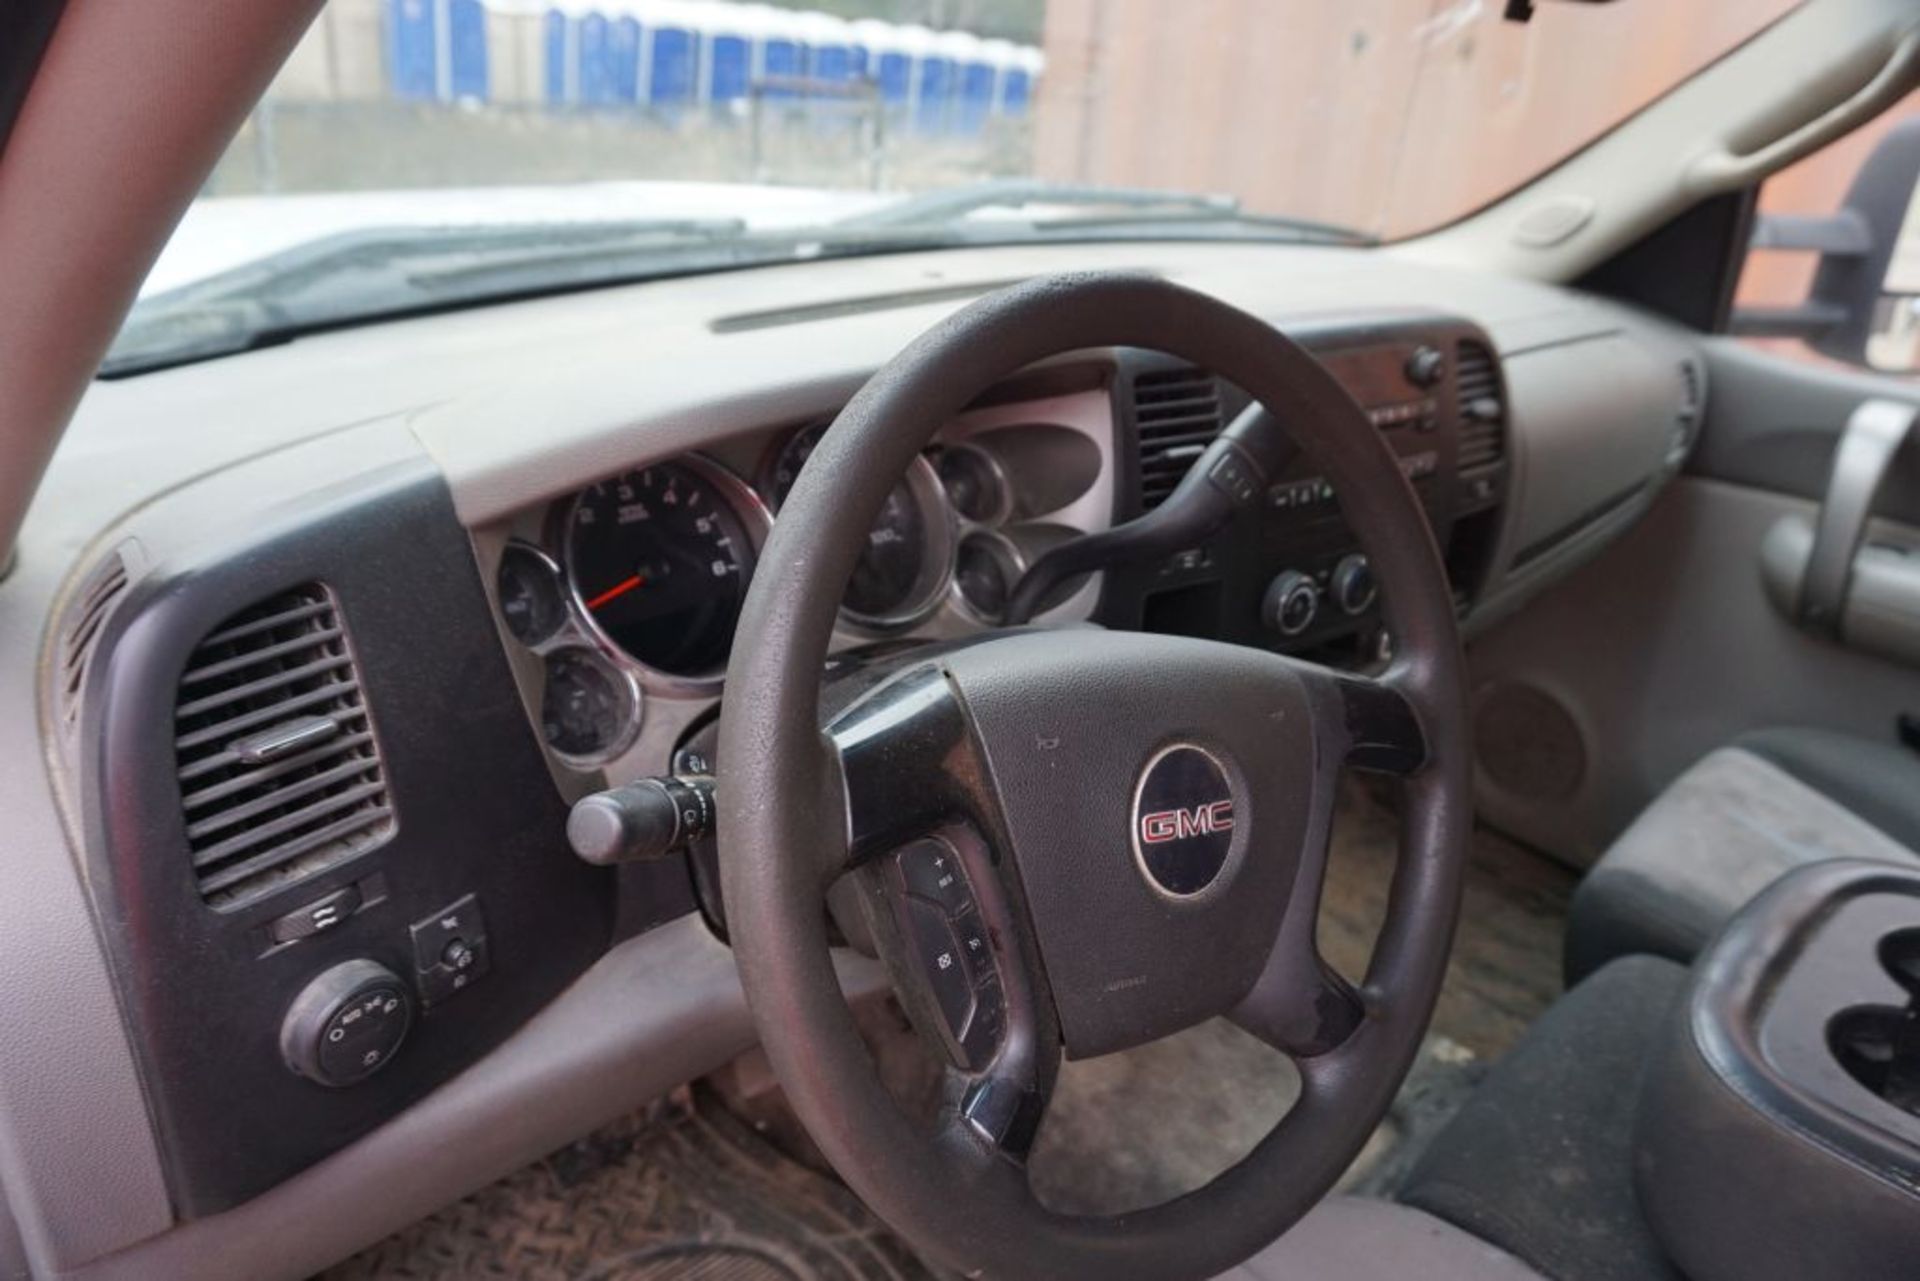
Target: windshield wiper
[1129,209]
[388,273]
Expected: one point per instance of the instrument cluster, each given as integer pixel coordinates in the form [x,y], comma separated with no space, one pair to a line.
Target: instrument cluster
[633,587]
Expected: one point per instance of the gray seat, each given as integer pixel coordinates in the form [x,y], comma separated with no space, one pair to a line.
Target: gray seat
[1727,828]
[1351,1239]
[1539,1161]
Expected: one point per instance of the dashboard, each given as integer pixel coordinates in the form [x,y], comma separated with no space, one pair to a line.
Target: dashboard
[325,644]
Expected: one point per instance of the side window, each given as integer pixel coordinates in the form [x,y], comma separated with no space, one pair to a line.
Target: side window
[1833,269]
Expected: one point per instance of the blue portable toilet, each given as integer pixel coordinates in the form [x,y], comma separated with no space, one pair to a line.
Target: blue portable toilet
[935,87]
[1015,92]
[829,44]
[623,59]
[467,50]
[780,56]
[595,74]
[413,46]
[895,74]
[1016,84]
[557,33]
[671,66]
[977,83]
[730,66]
[833,62]
[727,42]
[886,56]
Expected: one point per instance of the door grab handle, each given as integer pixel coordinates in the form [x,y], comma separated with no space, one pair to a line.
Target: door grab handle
[1865,454]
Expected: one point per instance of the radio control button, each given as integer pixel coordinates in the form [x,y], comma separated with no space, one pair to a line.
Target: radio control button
[931,870]
[1291,603]
[1353,586]
[943,963]
[1425,366]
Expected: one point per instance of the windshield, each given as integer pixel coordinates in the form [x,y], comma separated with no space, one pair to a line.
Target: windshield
[420,154]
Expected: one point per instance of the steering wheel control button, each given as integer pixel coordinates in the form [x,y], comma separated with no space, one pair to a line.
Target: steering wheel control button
[930,870]
[983,1033]
[1005,1114]
[941,961]
[1183,820]
[450,950]
[347,1024]
[323,914]
[974,950]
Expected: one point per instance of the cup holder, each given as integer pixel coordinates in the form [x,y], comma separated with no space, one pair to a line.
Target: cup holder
[1900,954]
[1879,1045]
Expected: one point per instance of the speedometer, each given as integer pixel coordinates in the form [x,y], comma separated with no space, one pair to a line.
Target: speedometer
[659,559]
[902,574]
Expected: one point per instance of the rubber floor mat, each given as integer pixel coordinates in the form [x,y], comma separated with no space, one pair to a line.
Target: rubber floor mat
[682,1193]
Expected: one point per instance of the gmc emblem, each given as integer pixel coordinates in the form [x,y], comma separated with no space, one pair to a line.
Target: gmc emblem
[1179,824]
[1182,820]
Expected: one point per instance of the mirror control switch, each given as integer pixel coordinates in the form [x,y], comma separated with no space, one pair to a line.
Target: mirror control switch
[450,950]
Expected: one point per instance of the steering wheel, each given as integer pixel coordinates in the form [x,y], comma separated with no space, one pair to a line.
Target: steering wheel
[1076,841]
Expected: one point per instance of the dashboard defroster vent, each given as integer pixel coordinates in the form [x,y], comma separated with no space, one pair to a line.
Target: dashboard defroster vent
[79,638]
[1483,408]
[1177,414]
[280,774]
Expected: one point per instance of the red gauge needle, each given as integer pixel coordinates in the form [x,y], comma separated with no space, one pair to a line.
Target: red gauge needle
[616,591]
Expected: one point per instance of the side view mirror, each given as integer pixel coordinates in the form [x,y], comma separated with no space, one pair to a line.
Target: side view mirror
[1864,307]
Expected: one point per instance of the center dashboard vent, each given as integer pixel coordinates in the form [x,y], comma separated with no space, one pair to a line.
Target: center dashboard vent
[280,774]
[1483,408]
[1177,414]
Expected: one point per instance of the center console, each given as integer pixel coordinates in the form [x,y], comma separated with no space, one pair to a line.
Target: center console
[1779,1125]
[1290,575]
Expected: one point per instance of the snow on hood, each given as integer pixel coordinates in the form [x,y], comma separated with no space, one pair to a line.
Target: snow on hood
[222,232]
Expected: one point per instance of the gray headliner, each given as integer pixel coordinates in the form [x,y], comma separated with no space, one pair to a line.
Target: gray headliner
[516,404]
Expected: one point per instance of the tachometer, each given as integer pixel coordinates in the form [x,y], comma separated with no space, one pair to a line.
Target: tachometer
[659,559]
[904,571]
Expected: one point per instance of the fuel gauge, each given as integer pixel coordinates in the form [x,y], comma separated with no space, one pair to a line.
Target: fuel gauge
[530,595]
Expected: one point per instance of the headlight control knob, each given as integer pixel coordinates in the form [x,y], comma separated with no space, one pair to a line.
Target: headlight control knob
[1291,602]
[347,1023]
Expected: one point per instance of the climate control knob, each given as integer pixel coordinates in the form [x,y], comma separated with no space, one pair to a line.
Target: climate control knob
[347,1023]
[1291,602]
[1352,585]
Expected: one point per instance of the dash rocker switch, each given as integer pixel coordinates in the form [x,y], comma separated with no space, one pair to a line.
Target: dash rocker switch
[317,917]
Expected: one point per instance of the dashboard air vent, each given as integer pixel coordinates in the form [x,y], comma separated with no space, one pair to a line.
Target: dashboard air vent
[1483,409]
[280,776]
[88,615]
[1177,413]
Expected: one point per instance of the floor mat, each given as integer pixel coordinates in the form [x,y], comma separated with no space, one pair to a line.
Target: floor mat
[681,1193]
[1505,968]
